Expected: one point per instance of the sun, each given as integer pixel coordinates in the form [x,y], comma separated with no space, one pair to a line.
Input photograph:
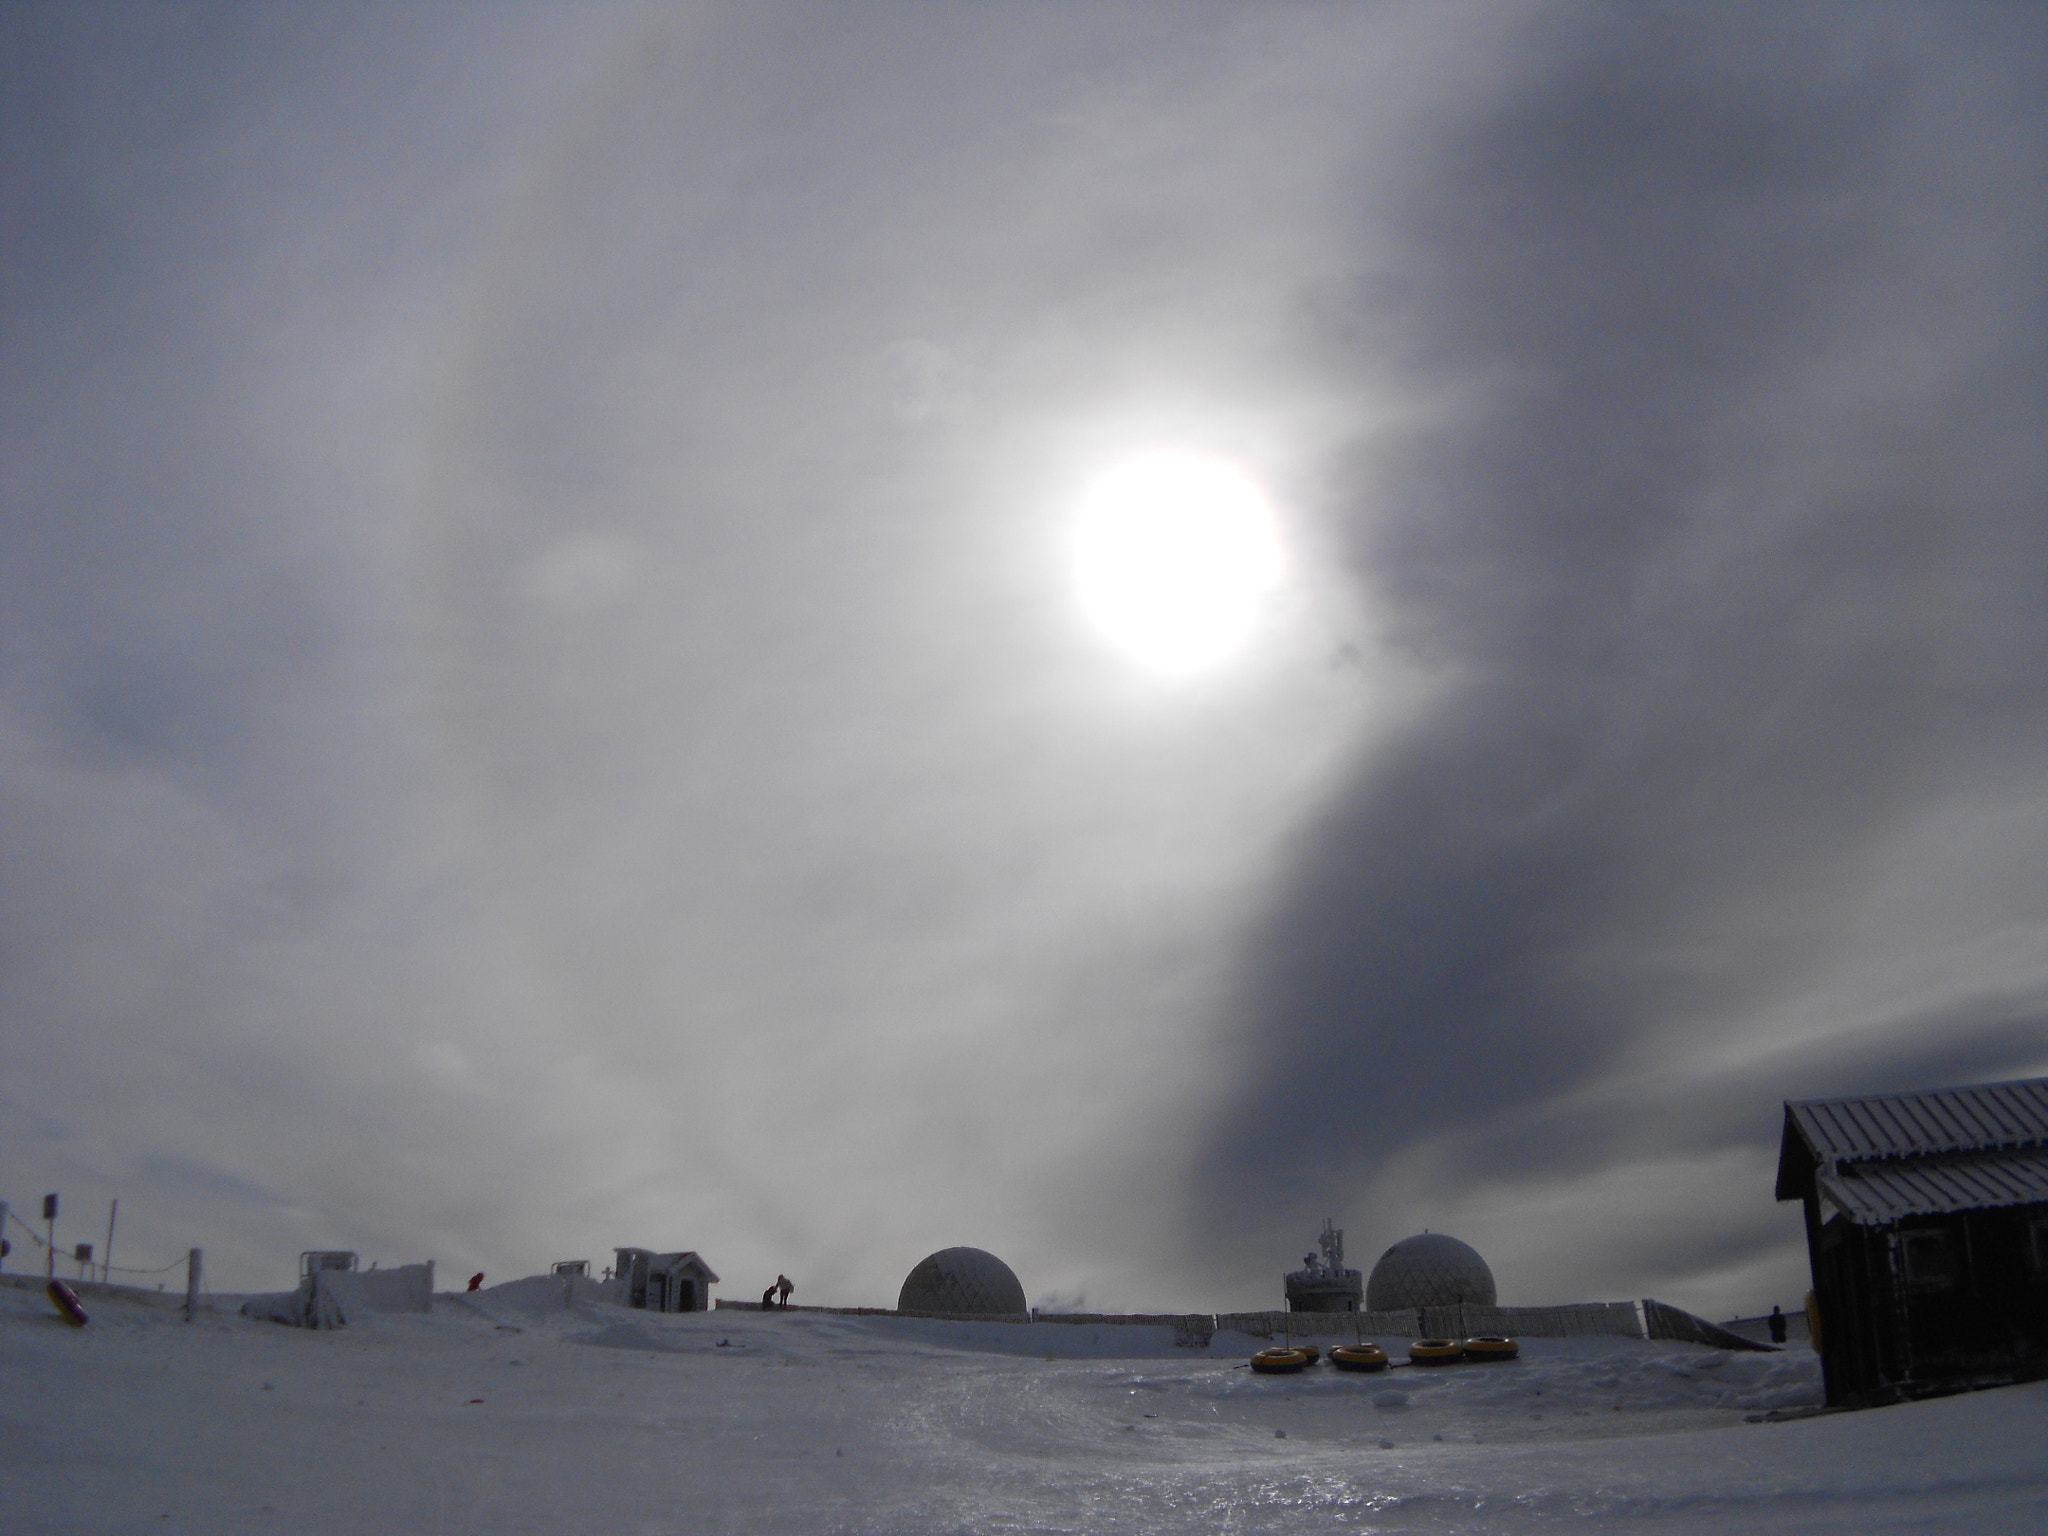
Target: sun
[1174,552]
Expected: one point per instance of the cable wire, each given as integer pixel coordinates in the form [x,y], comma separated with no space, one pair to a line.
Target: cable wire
[119,1269]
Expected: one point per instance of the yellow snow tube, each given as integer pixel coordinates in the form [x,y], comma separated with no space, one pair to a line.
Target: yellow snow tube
[1358,1357]
[1491,1346]
[1436,1352]
[1279,1362]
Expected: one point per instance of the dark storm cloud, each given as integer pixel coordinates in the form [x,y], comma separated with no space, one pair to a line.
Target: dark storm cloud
[1701,1113]
[1722,531]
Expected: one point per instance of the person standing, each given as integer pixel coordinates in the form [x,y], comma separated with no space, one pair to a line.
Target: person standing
[1777,1326]
[783,1286]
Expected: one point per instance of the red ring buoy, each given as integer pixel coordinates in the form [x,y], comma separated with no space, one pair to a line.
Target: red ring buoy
[66,1301]
[1279,1362]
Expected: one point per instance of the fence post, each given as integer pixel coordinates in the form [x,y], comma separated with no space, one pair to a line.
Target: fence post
[192,1273]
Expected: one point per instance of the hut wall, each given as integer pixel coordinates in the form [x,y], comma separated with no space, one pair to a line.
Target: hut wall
[1974,1308]
[1861,1333]
[1930,1304]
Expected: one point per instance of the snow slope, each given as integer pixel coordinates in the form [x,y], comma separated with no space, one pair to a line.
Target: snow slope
[508,1413]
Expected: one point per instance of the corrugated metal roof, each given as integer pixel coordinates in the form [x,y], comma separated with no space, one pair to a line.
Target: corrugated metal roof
[1982,1118]
[1878,1192]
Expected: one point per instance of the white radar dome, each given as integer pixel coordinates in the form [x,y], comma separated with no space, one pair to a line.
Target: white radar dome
[962,1280]
[1429,1270]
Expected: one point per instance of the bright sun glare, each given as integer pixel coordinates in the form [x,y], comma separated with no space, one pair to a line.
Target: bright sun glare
[1174,552]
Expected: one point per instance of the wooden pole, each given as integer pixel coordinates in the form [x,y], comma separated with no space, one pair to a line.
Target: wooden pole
[192,1273]
[107,1258]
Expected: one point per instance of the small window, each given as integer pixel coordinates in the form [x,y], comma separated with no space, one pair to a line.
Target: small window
[1930,1260]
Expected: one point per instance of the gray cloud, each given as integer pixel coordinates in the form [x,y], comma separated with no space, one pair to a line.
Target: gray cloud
[541,705]
[1700,531]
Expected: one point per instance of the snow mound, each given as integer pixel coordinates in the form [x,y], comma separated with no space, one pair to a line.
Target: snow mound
[764,1424]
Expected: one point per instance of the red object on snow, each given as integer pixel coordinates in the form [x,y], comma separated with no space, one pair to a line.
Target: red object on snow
[66,1301]
[476,1281]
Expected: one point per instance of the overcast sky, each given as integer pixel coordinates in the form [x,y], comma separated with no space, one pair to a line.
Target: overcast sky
[544,703]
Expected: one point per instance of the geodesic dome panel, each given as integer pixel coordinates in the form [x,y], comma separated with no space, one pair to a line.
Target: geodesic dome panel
[1428,1270]
[962,1280]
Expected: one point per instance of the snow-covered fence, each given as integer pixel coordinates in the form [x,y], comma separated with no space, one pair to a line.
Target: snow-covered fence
[1318,1325]
[1577,1320]
[1191,1330]
[1663,1321]
[1613,1319]
[1758,1328]
[966,1317]
[544,1293]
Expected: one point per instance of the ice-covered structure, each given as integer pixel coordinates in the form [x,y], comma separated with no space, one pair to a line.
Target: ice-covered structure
[332,1290]
[1429,1270]
[962,1280]
[1323,1284]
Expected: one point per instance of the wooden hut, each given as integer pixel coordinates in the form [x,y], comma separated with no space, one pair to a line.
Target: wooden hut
[663,1282]
[1927,1230]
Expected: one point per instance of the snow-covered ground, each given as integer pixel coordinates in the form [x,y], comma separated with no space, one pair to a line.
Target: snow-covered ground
[504,1413]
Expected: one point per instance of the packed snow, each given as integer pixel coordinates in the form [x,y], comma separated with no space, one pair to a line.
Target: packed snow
[506,1411]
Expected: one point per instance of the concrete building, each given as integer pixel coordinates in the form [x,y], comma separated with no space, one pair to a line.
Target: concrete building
[1323,1284]
[663,1282]
[1927,1233]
